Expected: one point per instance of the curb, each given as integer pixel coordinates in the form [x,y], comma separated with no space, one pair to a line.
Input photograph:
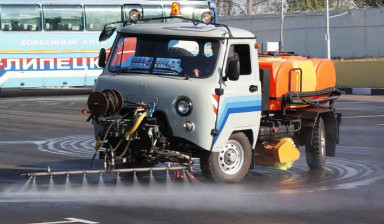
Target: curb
[362,91]
[19,92]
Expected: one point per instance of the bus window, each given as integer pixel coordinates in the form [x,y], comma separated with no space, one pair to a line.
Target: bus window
[150,11]
[63,17]
[20,18]
[96,16]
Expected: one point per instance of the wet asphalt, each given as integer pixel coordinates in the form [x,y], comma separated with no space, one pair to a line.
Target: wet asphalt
[41,132]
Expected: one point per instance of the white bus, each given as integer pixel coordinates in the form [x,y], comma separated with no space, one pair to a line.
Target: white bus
[54,44]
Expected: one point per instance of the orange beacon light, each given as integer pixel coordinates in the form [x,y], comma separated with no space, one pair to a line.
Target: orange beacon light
[175,10]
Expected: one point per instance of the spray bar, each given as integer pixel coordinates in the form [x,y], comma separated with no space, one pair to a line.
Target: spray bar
[117,171]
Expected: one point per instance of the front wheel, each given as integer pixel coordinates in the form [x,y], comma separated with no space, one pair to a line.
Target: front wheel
[231,163]
[315,153]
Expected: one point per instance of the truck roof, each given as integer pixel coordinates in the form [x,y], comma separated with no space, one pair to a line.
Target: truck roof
[186,30]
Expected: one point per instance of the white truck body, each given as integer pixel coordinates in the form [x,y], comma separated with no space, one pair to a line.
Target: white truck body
[225,113]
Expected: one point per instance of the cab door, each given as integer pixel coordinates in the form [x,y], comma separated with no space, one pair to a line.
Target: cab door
[239,107]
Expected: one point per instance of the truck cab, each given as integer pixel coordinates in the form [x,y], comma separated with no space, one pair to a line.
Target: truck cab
[177,91]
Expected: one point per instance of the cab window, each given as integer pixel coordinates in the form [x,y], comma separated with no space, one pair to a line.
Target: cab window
[165,56]
[241,52]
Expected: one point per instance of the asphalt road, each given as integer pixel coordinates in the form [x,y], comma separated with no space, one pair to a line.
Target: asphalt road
[41,132]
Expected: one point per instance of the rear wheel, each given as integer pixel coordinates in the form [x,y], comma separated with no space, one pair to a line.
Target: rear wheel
[315,153]
[231,163]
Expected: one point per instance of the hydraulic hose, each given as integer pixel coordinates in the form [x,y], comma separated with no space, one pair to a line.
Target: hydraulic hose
[126,134]
[97,145]
[125,149]
[136,125]
[100,143]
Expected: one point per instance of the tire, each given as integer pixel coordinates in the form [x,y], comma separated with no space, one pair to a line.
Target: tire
[231,164]
[315,153]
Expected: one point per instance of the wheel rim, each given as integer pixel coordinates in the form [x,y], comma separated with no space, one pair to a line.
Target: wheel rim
[322,143]
[231,158]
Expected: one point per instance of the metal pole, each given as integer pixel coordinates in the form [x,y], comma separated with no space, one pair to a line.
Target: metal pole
[282,26]
[328,37]
[250,7]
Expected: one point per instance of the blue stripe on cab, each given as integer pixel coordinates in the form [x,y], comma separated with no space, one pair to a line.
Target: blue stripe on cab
[234,105]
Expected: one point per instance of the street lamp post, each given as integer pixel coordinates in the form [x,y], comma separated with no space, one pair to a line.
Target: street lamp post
[282,26]
[328,37]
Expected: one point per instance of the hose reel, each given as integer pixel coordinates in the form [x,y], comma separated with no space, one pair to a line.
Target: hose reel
[108,102]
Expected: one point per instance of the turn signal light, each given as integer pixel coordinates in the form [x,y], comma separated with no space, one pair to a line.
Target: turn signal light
[175,10]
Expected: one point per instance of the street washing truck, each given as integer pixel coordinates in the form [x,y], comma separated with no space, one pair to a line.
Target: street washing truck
[171,92]
[176,91]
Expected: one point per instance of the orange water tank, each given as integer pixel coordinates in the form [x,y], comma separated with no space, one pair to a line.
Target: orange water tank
[325,73]
[279,70]
[309,74]
[293,57]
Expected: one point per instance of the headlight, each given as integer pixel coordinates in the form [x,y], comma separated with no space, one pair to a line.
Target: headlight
[184,107]
[134,15]
[206,18]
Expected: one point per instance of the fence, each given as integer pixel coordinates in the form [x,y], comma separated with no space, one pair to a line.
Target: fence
[355,33]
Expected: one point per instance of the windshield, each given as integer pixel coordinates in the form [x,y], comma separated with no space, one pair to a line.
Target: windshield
[165,56]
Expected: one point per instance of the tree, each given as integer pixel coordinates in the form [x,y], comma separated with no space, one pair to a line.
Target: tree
[369,3]
[250,7]
[319,5]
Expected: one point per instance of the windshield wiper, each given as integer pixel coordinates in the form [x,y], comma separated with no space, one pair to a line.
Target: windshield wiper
[175,73]
[140,70]
[184,75]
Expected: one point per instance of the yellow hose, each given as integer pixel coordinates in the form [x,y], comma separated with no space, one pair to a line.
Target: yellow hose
[136,125]
[97,145]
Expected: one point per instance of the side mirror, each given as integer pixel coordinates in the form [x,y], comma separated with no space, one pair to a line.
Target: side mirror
[106,33]
[233,69]
[102,57]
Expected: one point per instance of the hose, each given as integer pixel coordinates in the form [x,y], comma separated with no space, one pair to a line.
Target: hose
[128,133]
[108,102]
[92,160]
[153,109]
[111,97]
[136,125]
[99,143]
[125,149]
[118,145]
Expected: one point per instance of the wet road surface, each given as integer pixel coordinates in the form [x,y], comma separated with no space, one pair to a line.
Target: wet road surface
[41,132]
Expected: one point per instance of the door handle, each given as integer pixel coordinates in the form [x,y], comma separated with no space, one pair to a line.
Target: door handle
[253,88]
